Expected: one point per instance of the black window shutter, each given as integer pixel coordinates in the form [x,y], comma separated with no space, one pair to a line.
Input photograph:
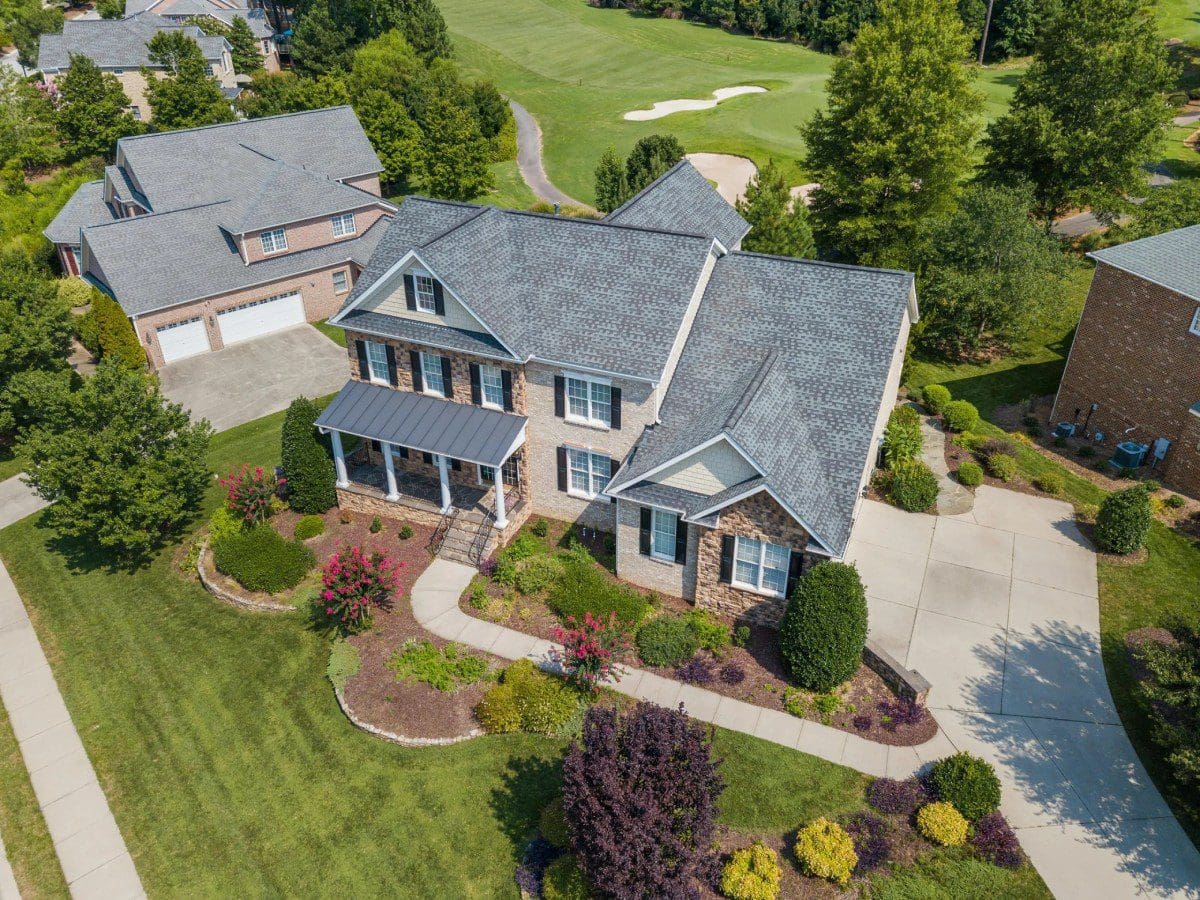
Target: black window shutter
[795,570]
[447,378]
[644,533]
[560,396]
[562,468]
[393,375]
[428,458]
[410,292]
[726,574]
[476,391]
[615,404]
[402,452]
[414,359]
[681,539]
[364,368]
[456,465]
[506,383]
[439,302]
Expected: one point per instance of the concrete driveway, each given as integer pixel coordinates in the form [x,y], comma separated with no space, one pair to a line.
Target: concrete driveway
[998,608]
[258,377]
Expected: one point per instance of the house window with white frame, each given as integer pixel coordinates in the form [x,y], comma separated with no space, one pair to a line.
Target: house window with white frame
[487,474]
[588,473]
[663,525]
[761,566]
[431,374]
[377,362]
[491,386]
[341,283]
[1195,329]
[589,401]
[423,288]
[343,224]
[274,241]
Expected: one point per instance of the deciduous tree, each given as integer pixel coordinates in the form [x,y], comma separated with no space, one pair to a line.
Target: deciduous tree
[778,224]
[397,139]
[457,156]
[321,46]
[189,96]
[651,157]
[28,135]
[93,110]
[275,93]
[611,187]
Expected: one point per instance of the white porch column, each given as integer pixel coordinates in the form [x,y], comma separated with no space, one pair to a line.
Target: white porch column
[443,465]
[339,460]
[389,466]
[501,514]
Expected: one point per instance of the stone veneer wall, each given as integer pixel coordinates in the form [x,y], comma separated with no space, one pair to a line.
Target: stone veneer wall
[758,517]
[377,506]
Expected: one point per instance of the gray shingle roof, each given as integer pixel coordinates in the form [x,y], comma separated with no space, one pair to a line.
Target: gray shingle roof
[86,207]
[417,332]
[116,43]
[789,358]
[419,422]
[1171,259]
[288,193]
[525,276]
[683,201]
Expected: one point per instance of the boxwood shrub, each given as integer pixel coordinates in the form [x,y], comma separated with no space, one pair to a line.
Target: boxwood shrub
[564,880]
[970,474]
[1002,466]
[260,560]
[943,824]
[527,699]
[825,850]
[667,641]
[751,874]
[967,782]
[309,527]
[936,397]
[914,487]
[1124,520]
[960,415]
[1050,482]
[824,629]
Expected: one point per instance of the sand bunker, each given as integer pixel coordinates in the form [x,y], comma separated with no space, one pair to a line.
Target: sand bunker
[666,107]
[733,173]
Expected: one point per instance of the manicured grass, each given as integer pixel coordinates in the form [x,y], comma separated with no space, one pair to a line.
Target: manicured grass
[334,332]
[10,464]
[578,69]
[511,190]
[1179,19]
[950,874]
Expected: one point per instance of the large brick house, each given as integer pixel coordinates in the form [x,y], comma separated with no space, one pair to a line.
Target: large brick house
[1133,373]
[223,11]
[211,236]
[719,412]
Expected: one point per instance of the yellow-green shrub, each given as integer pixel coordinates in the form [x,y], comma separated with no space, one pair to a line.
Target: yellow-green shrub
[751,874]
[943,824]
[825,850]
[527,700]
[564,880]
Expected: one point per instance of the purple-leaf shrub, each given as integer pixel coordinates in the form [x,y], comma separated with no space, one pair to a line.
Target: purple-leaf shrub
[695,671]
[640,795]
[871,841]
[996,842]
[539,853]
[897,797]
[863,721]
[487,568]
[894,713]
[732,673]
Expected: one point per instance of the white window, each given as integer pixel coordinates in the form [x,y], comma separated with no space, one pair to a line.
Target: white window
[760,566]
[340,284]
[343,224]
[487,474]
[431,374]
[1195,329]
[377,362]
[273,241]
[588,473]
[136,112]
[426,299]
[662,534]
[589,401]
[491,386]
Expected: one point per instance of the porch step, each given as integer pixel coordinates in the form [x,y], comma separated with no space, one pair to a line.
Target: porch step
[459,542]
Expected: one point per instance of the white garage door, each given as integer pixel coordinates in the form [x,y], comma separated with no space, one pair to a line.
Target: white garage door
[251,320]
[180,339]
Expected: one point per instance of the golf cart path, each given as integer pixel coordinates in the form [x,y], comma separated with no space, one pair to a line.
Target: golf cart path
[529,159]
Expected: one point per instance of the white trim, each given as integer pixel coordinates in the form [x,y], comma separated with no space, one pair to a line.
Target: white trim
[675,519]
[1194,328]
[385,378]
[425,388]
[358,329]
[588,381]
[262,241]
[689,453]
[483,400]
[762,566]
[573,491]
[588,369]
[520,439]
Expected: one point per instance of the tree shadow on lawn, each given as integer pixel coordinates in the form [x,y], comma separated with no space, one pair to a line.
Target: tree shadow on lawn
[527,785]
[82,555]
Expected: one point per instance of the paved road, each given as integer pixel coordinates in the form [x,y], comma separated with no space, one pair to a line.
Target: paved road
[529,159]
[998,608]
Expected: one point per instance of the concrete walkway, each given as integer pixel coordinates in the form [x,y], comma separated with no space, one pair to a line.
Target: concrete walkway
[435,606]
[17,500]
[89,845]
[529,159]
[8,883]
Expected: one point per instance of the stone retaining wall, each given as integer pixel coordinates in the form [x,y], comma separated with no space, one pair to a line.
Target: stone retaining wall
[906,683]
[234,598]
[399,738]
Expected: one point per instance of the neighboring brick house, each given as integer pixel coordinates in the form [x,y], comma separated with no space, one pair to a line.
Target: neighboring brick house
[224,11]
[211,236]
[719,412]
[118,47]
[1133,373]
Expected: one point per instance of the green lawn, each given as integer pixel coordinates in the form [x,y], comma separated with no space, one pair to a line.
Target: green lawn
[334,332]
[10,463]
[578,69]
[1180,19]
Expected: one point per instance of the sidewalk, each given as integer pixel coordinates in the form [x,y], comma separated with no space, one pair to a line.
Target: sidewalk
[17,500]
[8,884]
[94,859]
[435,606]
[953,499]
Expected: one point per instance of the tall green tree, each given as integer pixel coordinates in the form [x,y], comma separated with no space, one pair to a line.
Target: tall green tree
[93,111]
[28,134]
[320,45]
[397,139]
[457,155]
[1166,208]
[651,157]
[611,188]
[778,223]
[895,138]
[389,63]
[306,460]
[275,93]
[123,469]
[247,60]
[991,274]
[423,27]
[1019,24]
[26,21]
[110,9]
[188,96]
[1089,111]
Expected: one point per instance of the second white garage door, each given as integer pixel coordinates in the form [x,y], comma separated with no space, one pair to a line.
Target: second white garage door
[251,320]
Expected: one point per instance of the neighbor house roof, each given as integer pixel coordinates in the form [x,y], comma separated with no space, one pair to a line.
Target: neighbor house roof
[224,10]
[682,200]
[1171,259]
[86,207]
[117,43]
[787,359]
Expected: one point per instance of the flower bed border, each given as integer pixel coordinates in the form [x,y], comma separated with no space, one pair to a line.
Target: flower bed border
[400,739]
[232,597]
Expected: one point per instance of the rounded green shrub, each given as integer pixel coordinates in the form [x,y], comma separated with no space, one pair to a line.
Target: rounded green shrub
[497,710]
[960,415]
[942,824]
[307,464]
[667,641]
[970,474]
[936,397]
[309,527]
[968,783]
[1124,520]
[564,880]
[527,699]
[1174,501]
[751,874]
[260,560]
[824,628]
[553,824]
[405,532]
[223,523]
[1002,466]
[1050,482]
[914,487]
[825,850]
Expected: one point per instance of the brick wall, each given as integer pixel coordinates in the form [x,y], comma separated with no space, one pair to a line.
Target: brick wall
[646,571]
[368,183]
[308,234]
[758,517]
[1134,356]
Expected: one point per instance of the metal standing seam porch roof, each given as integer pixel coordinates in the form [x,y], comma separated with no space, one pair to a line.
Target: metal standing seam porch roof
[427,424]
